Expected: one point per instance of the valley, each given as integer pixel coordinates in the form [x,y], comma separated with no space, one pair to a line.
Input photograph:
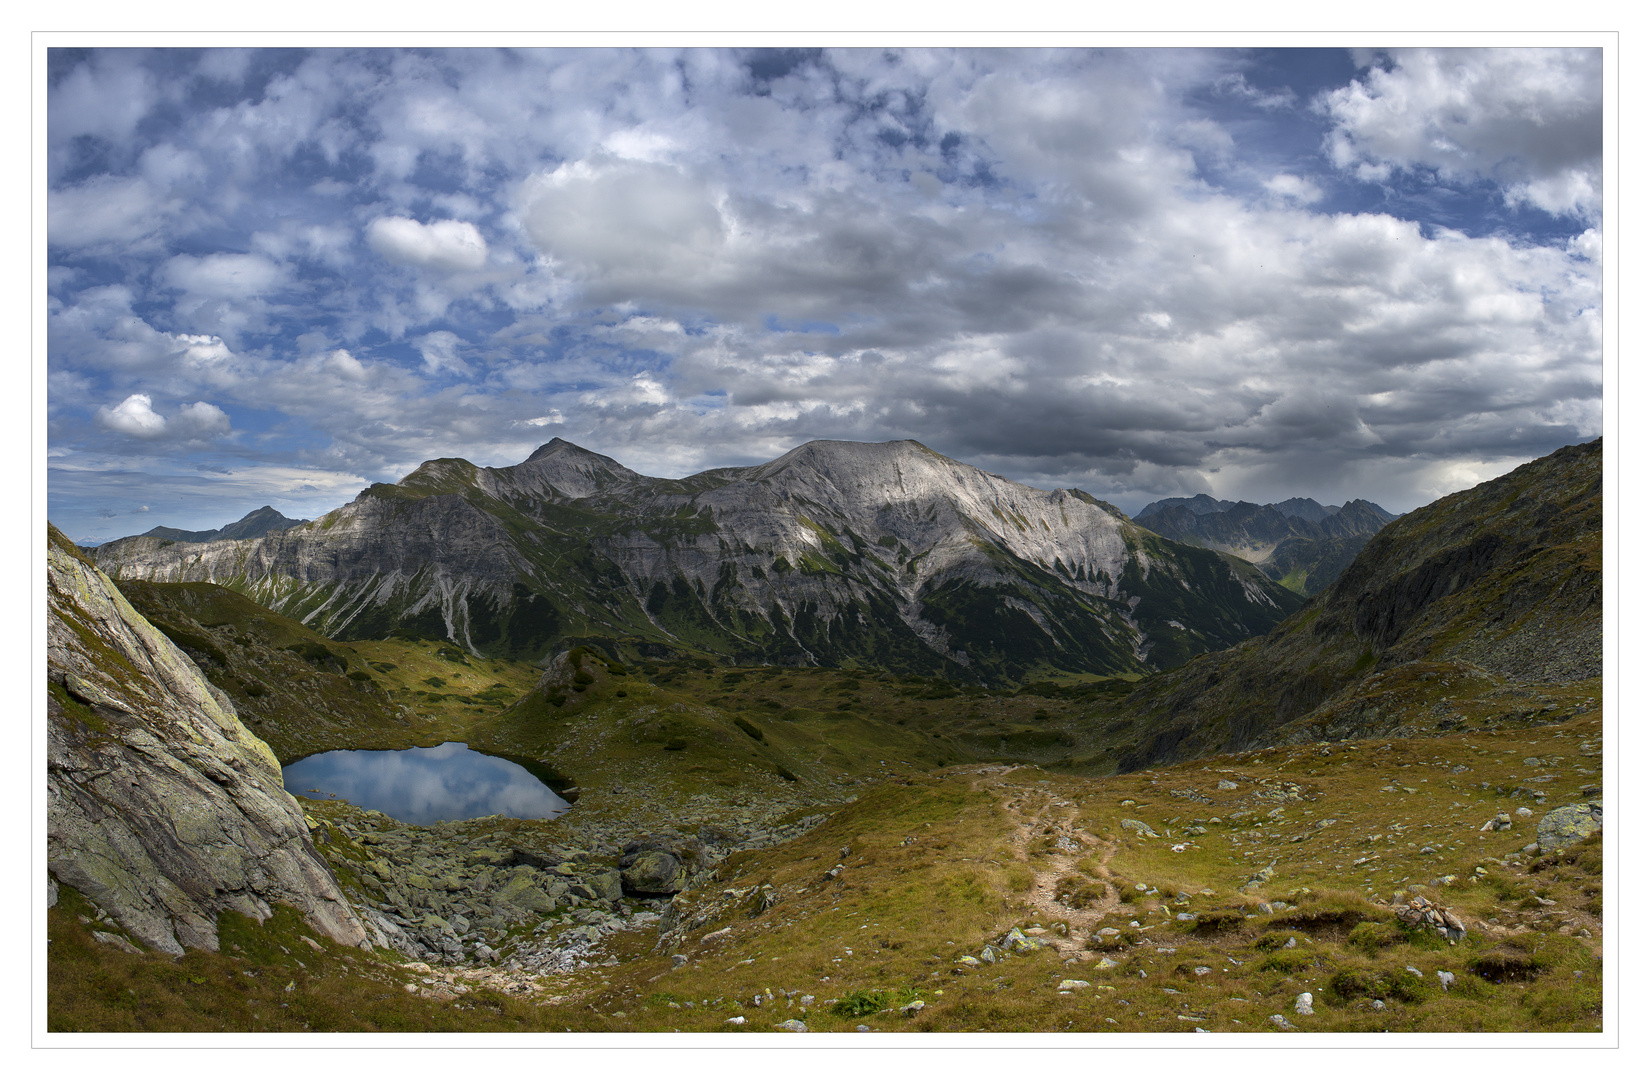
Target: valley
[805,846]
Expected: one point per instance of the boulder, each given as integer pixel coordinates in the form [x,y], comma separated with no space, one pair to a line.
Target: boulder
[606,885]
[654,873]
[523,891]
[1568,824]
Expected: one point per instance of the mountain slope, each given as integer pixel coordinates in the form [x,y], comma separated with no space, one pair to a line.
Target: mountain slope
[886,555]
[1483,607]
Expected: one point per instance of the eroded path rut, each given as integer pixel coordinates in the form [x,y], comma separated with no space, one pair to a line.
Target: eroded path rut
[1044,835]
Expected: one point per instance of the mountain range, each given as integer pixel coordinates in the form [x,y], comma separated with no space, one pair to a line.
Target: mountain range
[261,522]
[1298,542]
[987,853]
[835,554]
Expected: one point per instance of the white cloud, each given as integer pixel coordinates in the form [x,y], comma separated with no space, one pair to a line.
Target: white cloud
[340,362]
[134,417]
[199,420]
[108,210]
[105,98]
[626,223]
[440,352]
[1529,119]
[226,277]
[446,245]
[1294,189]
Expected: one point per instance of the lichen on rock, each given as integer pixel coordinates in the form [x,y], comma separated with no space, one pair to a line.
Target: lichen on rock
[162,807]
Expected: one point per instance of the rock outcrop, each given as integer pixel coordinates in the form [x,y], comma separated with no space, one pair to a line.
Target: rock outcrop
[162,807]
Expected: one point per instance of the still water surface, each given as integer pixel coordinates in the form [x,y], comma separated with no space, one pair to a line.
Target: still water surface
[424,785]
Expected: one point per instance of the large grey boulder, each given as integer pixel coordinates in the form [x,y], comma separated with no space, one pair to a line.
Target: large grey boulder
[607,885]
[161,806]
[1566,825]
[654,873]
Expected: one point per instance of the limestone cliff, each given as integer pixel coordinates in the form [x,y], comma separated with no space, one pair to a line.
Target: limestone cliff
[161,806]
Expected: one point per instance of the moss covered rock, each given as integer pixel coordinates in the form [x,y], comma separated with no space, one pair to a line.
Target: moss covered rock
[1568,824]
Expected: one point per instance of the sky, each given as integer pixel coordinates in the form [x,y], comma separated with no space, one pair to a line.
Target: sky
[277,276]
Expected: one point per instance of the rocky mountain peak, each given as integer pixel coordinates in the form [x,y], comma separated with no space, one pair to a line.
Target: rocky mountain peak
[570,469]
[260,522]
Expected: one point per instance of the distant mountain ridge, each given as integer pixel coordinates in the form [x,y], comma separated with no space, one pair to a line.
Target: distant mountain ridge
[260,522]
[1309,509]
[1299,542]
[882,555]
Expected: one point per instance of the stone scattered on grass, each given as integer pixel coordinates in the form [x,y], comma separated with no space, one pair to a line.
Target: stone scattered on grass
[1421,912]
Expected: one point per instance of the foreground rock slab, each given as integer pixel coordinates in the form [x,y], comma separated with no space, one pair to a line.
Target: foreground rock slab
[161,806]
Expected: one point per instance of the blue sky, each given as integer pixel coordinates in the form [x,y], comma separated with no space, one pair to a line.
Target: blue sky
[277,276]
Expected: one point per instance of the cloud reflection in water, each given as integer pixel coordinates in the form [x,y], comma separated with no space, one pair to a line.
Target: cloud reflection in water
[424,785]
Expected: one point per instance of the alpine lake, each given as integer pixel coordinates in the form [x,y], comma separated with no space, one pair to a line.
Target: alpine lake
[424,785]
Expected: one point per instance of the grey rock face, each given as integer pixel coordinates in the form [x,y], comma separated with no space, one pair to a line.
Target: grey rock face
[161,806]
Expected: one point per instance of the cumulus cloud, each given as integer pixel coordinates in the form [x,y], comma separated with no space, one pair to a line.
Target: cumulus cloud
[447,246]
[1530,120]
[136,417]
[626,223]
[224,277]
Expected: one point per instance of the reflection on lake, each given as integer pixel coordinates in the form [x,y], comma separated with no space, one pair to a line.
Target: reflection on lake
[424,785]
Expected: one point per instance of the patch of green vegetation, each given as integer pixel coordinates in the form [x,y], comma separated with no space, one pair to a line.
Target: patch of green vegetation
[858,1003]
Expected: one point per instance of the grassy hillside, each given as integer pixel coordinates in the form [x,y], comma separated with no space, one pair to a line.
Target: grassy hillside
[934,866]
[1484,606]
